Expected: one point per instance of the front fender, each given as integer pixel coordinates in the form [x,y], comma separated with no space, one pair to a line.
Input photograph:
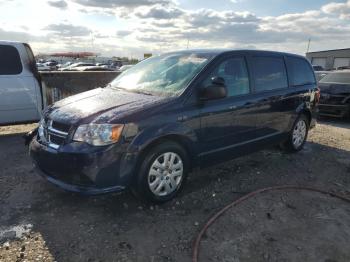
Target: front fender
[178,132]
[148,136]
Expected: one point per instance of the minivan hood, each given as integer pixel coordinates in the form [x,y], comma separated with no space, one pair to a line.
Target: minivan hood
[99,105]
[334,88]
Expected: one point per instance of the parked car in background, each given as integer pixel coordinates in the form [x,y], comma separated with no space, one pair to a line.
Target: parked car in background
[74,66]
[317,68]
[115,65]
[95,68]
[47,66]
[52,65]
[61,66]
[43,67]
[171,113]
[125,67]
[52,62]
[103,65]
[89,68]
[321,74]
[335,94]
[20,85]
[343,67]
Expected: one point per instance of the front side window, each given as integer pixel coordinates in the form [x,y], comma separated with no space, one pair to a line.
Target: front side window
[269,73]
[234,72]
[10,61]
[164,75]
[299,71]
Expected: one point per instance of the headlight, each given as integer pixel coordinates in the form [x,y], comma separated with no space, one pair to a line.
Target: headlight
[98,134]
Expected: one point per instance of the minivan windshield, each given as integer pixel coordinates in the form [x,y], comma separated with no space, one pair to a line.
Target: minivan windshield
[164,75]
[337,77]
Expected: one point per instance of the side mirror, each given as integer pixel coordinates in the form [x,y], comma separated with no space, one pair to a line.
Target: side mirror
[216,90]
[218,81]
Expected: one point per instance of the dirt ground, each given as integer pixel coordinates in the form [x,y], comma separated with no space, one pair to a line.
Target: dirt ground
[277,226]
[39,222]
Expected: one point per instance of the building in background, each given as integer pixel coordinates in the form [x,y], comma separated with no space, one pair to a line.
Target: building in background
[330,59]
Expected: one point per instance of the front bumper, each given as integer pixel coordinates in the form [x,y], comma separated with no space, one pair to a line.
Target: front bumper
[79,167]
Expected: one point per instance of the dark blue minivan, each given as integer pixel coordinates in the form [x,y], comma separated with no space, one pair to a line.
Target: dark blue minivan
[171,113]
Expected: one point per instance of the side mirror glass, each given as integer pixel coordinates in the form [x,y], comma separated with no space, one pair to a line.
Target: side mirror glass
[218,81]
[216,90]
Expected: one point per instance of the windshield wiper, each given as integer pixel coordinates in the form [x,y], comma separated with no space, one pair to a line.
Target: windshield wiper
[141,92]
[116,87]
[130,90]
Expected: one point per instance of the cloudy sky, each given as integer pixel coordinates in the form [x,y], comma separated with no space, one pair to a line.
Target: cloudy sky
[133,27]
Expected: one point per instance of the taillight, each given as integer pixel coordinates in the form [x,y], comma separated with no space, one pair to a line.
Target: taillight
[317,95]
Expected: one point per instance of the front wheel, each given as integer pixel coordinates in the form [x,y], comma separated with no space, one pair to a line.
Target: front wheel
[162,173]
[298,135]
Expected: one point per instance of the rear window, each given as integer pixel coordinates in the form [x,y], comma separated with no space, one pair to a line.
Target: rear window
[299,72]
[339,77]
[269,73]
[10,61]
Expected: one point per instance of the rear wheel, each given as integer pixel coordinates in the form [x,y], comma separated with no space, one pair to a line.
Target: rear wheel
[162,173]
[298,135]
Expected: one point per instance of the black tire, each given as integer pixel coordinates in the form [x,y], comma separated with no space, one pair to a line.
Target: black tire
[289,145]
[141,187]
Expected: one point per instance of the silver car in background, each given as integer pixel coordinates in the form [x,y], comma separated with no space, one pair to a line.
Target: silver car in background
[20,85]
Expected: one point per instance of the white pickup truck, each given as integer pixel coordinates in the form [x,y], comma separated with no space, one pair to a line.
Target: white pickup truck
[21,97]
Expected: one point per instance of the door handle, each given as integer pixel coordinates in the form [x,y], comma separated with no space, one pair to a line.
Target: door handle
[232,107]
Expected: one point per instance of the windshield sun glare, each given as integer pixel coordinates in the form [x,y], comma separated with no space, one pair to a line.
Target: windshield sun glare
[164,75]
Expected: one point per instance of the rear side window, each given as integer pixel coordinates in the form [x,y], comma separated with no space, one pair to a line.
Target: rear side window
[299,72]
[10,61]
[269,73]
[29,53]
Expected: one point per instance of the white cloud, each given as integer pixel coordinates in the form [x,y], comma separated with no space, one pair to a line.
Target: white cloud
[158,12]
[61,4]
[123,33]
[68,30]
[341,9]
[135,27]
[119,3]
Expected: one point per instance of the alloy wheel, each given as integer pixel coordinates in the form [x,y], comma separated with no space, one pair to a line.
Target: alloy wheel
[165,174]
[299,133]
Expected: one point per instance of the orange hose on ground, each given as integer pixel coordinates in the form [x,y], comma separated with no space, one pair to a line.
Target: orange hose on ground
[195,252]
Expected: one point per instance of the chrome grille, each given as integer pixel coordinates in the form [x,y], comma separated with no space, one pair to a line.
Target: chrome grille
[51,135]
[60,126]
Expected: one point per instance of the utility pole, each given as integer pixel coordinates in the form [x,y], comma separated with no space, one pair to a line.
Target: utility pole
[308,46]
[92,41]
